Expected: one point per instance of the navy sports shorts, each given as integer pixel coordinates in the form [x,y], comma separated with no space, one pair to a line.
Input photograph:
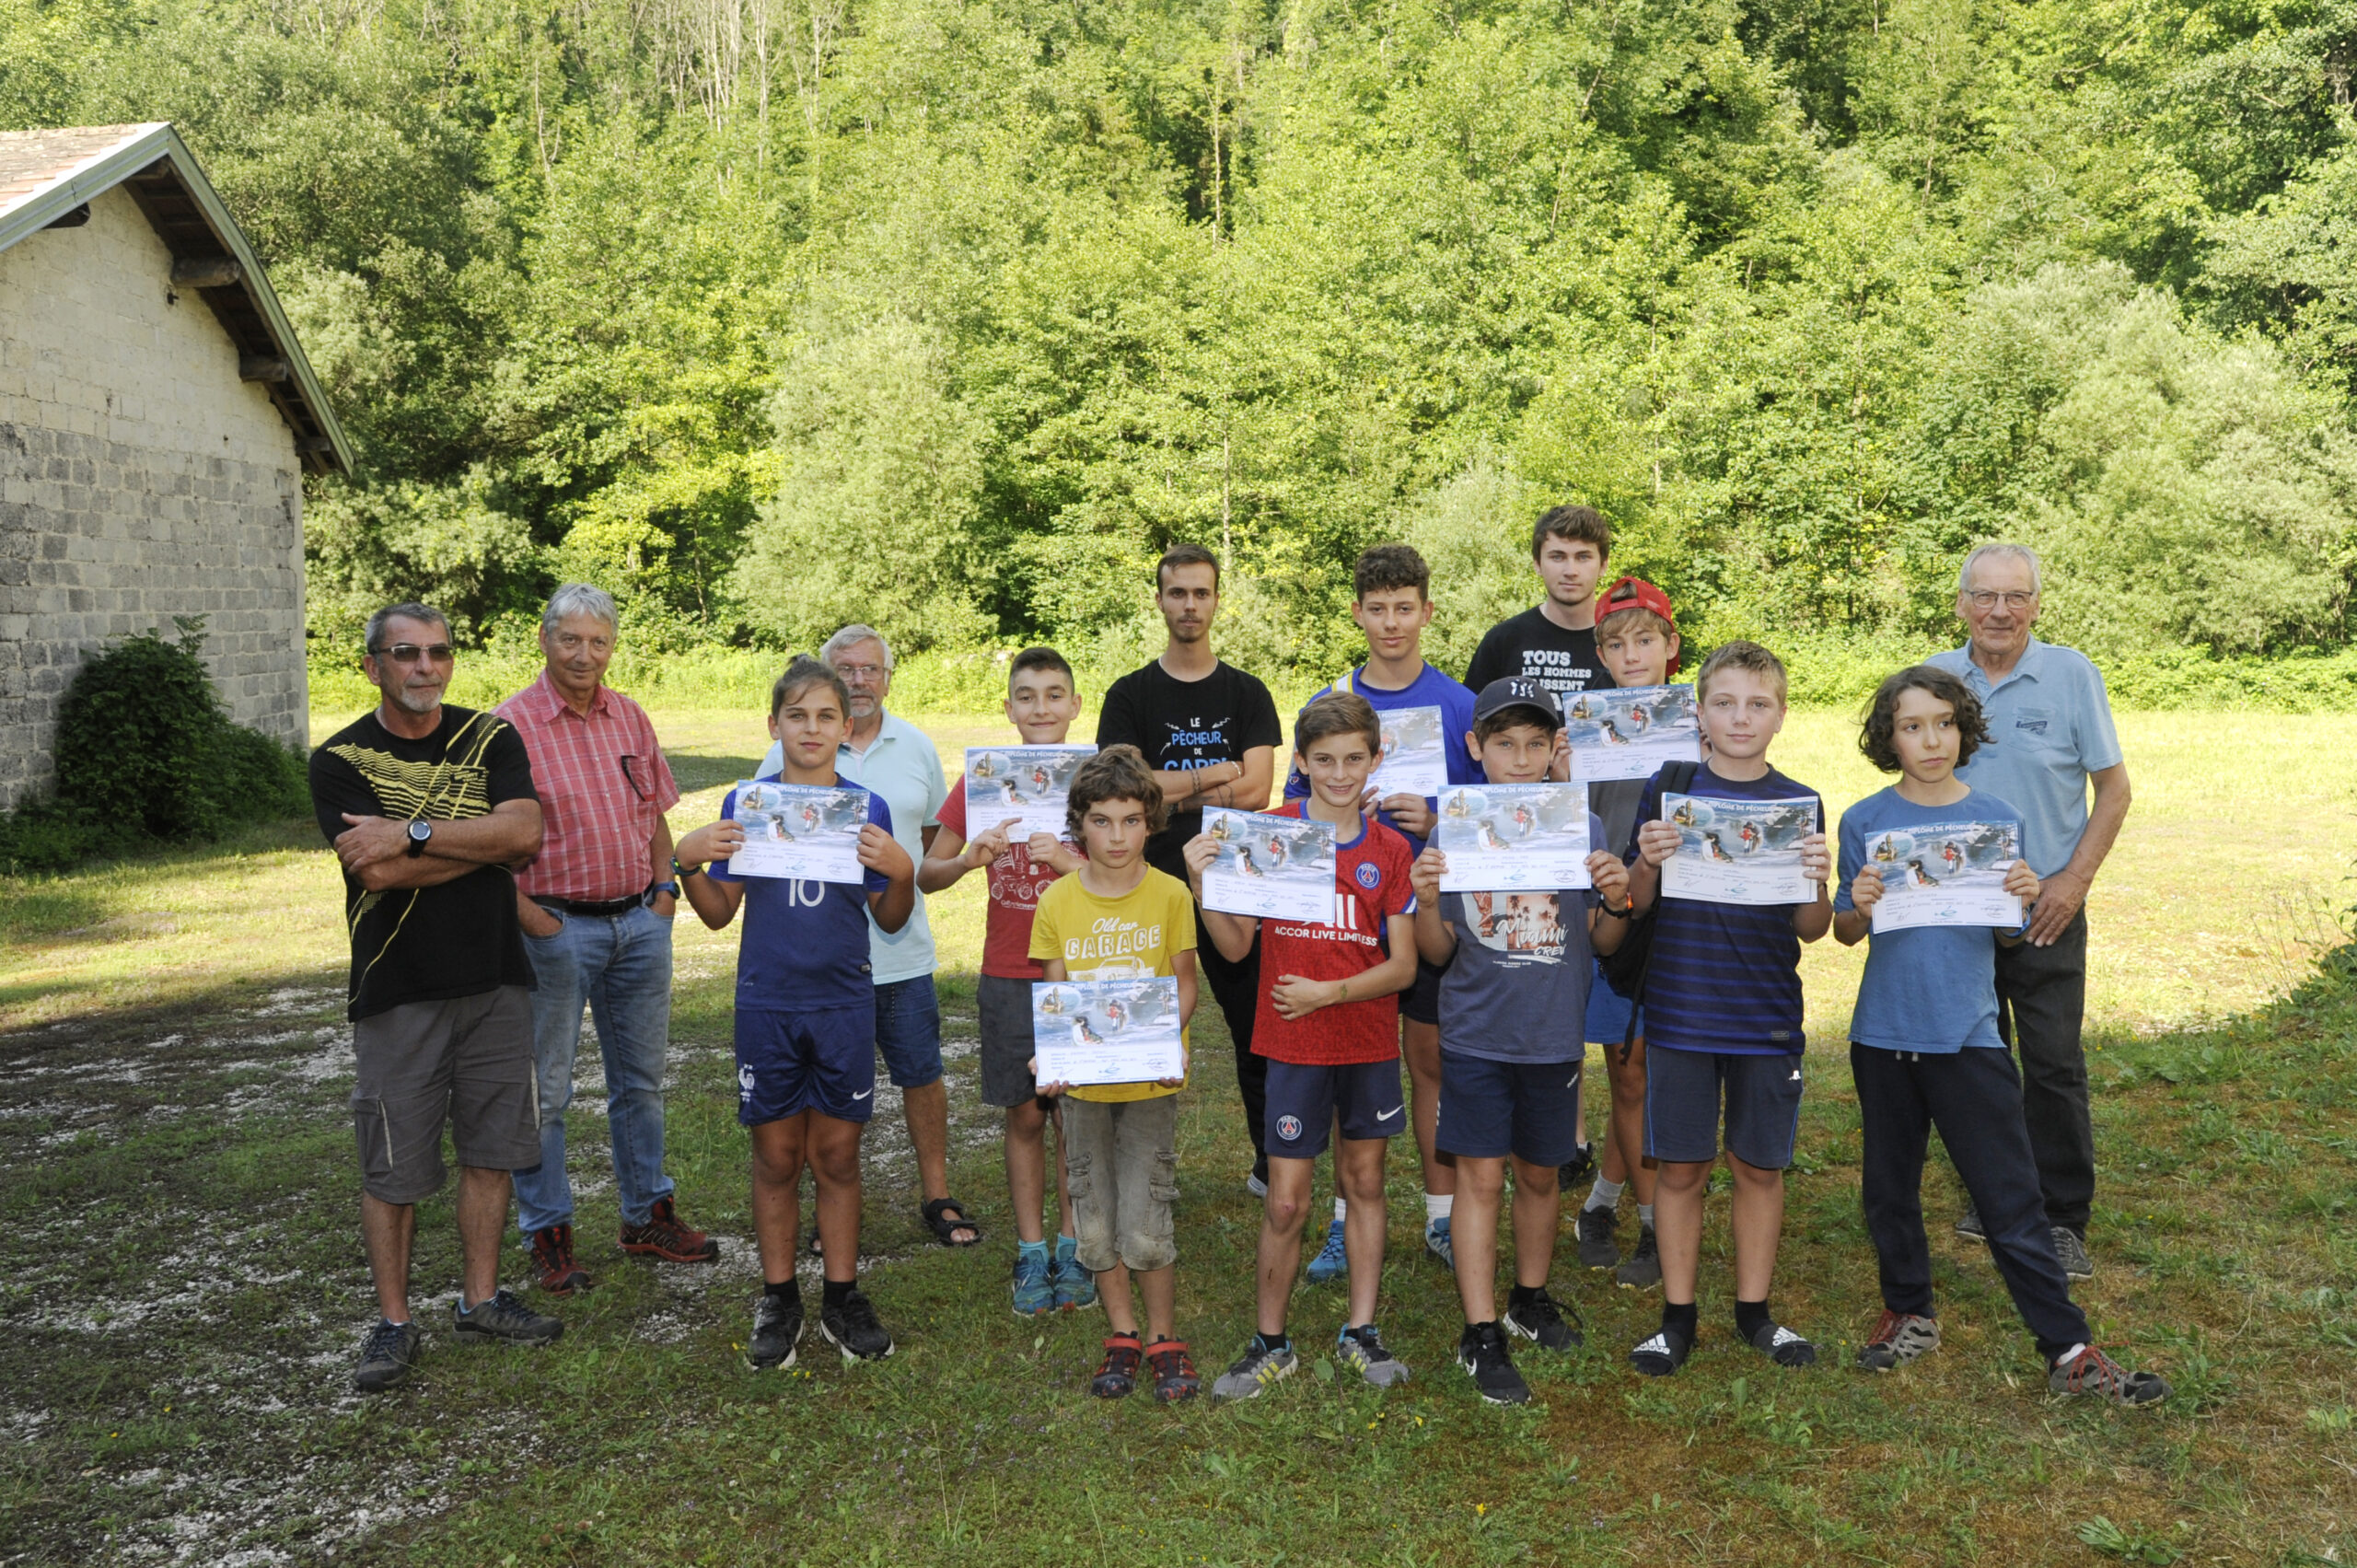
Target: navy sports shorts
[1682,1094]
[1607,1012]
[822,1060]
[1422,1002]
[1490,1110]
[1305,1101]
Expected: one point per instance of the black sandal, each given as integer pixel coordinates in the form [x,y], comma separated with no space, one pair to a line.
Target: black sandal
[945,1230]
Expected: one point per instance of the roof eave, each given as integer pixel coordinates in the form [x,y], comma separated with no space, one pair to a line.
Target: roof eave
[158,144]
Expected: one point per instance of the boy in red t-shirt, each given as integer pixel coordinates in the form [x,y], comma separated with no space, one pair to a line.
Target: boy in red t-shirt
[1041,702]
[1330,1027]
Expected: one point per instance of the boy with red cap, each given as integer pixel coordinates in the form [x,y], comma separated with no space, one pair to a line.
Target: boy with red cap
[1636,638]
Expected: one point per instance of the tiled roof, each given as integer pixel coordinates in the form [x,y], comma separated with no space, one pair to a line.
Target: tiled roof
[32,161]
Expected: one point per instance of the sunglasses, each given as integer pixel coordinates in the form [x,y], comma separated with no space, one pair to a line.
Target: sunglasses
[410,652]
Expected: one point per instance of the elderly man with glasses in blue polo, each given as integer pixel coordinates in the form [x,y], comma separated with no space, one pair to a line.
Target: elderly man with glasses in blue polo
[2050,737]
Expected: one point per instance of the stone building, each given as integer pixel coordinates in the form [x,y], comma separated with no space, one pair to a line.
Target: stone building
[156,417]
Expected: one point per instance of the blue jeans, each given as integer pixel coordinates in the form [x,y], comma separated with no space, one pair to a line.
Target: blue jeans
[620,966]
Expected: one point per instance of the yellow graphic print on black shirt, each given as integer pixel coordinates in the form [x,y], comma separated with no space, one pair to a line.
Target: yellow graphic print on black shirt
[455,938]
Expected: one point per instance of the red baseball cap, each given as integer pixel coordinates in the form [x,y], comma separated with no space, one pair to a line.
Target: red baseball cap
[1635,593]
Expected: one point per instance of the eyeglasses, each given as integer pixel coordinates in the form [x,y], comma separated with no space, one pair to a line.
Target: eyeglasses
[410,652]
[859,671]
[629,778]
[1982,599]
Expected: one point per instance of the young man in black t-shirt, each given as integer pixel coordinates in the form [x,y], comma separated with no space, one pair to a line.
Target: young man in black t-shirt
[1553,643]
[427,805]
[1211,733]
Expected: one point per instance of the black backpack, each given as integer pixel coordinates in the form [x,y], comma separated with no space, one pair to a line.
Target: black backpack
[1625,967]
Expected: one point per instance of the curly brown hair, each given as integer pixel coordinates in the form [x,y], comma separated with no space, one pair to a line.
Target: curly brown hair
[1118,772]
[1874,737]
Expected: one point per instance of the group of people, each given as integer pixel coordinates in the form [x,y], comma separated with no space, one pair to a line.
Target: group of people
[504,870]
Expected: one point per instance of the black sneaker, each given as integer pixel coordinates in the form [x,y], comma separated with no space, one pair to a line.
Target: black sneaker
[1598,1249]
[852,1329]
[1541,1319]
[2072,1253]
[1782,1346]
[506,1319]
[777,1330]
[387,1355]
[1642,1271]
[1482,1351]
[1899,1337]
[1577,1168]
[1968,1223]
[1662,1354]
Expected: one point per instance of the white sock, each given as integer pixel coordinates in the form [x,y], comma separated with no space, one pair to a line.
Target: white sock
[1645,1215]
[1438,1205]
[2068,1356]
[1342,1209]
[1604,1194]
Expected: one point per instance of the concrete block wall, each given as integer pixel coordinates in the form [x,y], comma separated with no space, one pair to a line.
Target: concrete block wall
[140,479]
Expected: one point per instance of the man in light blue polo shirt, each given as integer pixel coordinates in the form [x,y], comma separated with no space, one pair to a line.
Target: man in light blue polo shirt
[2049,736]
[889,756]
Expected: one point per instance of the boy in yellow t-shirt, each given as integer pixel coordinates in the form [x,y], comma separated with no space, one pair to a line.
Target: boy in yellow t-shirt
[1118,916]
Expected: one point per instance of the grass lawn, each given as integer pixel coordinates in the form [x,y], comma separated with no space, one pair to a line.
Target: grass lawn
[182,1291]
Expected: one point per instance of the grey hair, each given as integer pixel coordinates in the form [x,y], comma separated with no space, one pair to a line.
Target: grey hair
[410,611]
[2000,552]
[578,599]
[852,636]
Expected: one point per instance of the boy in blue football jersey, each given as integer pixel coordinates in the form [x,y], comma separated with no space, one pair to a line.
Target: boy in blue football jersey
[1924,1049]
[1722,1016]
[806,1023]
[1392,606]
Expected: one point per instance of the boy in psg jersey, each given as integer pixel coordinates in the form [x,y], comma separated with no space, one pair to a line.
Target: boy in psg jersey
[806,1023]
[1723,1018]
[1393,607]
[1329,1023]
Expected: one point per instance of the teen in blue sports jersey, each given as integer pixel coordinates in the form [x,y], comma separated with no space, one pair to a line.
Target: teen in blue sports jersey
[1393,605]
[806,1023]
[1723,1018]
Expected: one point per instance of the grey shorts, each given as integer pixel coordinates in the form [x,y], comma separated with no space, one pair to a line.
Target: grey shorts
[1121,1157]
[1005,1008]
[467,1062]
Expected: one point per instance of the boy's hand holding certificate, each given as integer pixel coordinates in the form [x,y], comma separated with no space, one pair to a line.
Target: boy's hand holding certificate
[1631,732]
[1738,852]
[1107,1031]
[1413,760]
[1274,868]
[1947,874]
[1512,836]
[1027,782]
[799,831]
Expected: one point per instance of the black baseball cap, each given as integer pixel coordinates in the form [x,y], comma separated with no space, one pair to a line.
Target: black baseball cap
[1518,691]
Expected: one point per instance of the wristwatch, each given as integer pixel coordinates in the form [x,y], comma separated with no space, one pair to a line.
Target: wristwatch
[1621,913]
[679,874]
[655,889]
[420,831]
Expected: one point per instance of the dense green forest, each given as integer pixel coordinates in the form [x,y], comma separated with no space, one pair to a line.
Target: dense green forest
[946,314]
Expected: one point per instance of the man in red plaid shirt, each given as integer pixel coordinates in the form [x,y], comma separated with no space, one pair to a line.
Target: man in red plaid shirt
[595,905]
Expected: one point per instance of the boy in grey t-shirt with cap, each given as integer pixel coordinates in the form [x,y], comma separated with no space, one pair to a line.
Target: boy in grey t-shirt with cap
[1518,966]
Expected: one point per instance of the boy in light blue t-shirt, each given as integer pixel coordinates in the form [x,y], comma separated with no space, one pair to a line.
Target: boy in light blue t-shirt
[1924,1049]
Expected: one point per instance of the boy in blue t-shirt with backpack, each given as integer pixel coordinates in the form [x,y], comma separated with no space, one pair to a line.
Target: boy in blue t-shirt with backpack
[1721,996]
[1924,1049]
[806,1023]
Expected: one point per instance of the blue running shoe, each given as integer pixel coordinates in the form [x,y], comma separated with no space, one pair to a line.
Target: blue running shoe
[1033,1293]
[1331,1262]
[1437,1243]
[1076,1286]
